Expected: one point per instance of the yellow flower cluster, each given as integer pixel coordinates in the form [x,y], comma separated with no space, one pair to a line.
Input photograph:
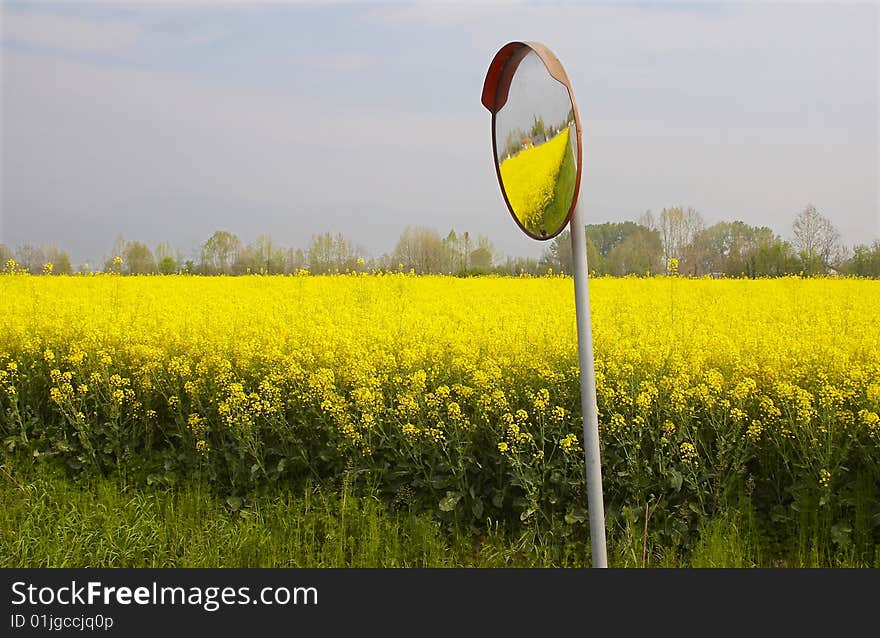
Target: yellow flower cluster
[569,443]
[689,453]
[669,430]
[754,430]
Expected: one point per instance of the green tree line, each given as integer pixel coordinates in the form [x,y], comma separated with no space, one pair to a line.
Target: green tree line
[676,235]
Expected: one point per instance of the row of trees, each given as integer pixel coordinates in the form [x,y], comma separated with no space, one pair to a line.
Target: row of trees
[729,249]
[422,250]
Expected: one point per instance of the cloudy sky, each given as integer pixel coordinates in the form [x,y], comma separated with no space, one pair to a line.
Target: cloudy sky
[168,121]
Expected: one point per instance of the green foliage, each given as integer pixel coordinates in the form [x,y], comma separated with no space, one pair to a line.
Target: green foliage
[49,520]
[617,249]
[487,468]
[865,261]
[219,253]
[726,249]
[735,249]
[167,265]
[138,259]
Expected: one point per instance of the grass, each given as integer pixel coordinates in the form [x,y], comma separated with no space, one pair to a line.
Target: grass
[49,520]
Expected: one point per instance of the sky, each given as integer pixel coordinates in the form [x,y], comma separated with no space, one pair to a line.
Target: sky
[170,120]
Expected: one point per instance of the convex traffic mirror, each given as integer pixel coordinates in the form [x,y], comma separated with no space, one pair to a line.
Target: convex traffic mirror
[536,137]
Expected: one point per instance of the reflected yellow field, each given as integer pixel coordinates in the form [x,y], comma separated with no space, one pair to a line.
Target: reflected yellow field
[539,182]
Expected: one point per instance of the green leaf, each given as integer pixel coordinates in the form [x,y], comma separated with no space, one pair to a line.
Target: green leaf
[840,534]
[477,508]
[778,514]
[234,503]
[675,479]
[448,503]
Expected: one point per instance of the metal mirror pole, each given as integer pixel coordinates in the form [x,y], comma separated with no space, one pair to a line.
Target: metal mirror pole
[588,389]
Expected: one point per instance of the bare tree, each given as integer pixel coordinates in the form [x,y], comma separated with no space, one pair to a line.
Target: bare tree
[454,247]
[114,262]
[30,258]
[422,249]
[59,259]
[677,228]
[816,240]
[294,260]
[333,254]
[261,256]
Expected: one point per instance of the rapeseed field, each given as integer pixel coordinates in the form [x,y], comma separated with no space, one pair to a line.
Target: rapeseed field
[460,396]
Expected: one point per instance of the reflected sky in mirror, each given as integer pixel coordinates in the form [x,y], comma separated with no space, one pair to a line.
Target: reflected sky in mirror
[536,145]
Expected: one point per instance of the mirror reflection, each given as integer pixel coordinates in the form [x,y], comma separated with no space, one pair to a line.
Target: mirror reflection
[536,143]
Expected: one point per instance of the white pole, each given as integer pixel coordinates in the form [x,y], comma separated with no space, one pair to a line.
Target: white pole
[588,389]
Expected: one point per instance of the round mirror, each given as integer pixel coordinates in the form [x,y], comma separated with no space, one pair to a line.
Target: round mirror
[535,137]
